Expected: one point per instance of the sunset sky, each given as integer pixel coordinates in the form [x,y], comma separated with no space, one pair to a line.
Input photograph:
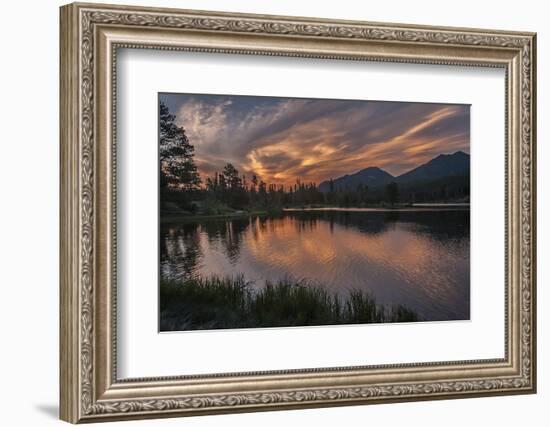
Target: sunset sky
[283,139]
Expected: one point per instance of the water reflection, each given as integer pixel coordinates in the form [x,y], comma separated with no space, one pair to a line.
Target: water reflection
[416,258]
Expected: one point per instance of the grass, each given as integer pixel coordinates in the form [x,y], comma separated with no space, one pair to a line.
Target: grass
[222,303]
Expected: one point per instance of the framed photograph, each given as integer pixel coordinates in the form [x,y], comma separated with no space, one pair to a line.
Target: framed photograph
[265,212]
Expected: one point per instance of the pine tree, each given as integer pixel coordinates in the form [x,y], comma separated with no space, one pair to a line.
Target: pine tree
[231,176]
[177,165]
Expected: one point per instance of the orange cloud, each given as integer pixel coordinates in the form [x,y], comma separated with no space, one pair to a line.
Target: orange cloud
[282,140]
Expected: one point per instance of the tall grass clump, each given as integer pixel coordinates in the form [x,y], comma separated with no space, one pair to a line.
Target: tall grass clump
[231,302]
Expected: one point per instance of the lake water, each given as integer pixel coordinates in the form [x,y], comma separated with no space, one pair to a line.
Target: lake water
[416,257]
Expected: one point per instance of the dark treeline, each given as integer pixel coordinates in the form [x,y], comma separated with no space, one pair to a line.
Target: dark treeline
[242,192]
[184,190]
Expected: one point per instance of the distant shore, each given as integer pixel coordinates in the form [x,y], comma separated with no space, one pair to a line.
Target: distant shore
[414,207]
[176,216]
[403,208]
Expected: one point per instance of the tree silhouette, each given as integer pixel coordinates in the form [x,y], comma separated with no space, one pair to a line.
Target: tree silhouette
[231,176]
[392,193]
[177,166]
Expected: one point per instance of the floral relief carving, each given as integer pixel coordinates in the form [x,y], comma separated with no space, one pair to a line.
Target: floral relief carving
[321,395]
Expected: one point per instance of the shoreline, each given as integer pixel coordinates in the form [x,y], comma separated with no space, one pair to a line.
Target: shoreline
[169,217]
[419,207]
[407,208]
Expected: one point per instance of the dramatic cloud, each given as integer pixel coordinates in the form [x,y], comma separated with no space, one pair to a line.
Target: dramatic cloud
[285,139]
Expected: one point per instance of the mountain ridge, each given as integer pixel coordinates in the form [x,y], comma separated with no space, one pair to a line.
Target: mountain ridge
[441,166]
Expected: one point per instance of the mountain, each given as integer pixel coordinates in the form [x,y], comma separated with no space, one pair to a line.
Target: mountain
[439,168]
[442,166]
[371,177]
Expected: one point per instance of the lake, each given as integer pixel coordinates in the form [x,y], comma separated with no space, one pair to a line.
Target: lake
[416,257]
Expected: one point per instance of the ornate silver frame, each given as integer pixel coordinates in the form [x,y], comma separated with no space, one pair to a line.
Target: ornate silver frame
[90,36]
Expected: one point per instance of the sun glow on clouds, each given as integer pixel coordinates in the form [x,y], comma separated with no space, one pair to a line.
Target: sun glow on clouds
[285,139]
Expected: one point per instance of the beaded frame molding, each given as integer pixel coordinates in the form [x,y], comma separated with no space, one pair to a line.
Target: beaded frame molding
[90,37]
